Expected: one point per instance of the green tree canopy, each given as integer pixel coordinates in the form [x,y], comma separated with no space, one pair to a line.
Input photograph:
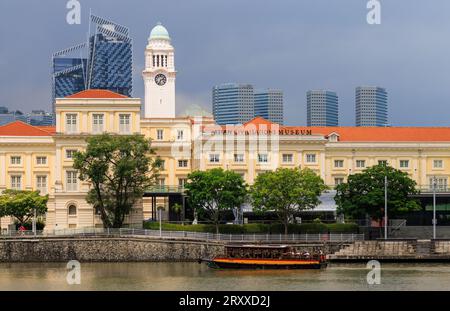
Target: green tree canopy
[21,204]
[119,169]
[214,191]
[363,193]
[286,191]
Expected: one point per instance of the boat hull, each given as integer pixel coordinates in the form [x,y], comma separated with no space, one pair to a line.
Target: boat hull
[255,264]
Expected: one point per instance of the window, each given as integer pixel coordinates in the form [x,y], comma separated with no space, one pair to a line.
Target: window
[440,182]
[71,123]
[159,134]
[161,182]
[383,162]
[16,160]
[180,134]
[182,163]
[287,158]
[262,158]
[41,160]
[214,158]
[438,164]
[70,153]
[338,181]
[360,163]
[238,157]
[124,123]
[311,158]
[162,164]
[404,163]
[339,163]
[71,181]
[97,123]
[16,182]
[41,184]
[72,210]
[182,182]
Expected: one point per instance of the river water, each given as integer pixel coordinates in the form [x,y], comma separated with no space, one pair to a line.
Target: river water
[193,276]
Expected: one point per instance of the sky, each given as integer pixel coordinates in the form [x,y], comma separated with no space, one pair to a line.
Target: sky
[289,45]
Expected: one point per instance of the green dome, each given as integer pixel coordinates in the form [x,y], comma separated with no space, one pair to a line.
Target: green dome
[159,32]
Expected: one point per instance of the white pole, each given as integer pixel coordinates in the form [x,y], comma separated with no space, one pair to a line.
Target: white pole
[160,223]
[434,207]
[34,222]
[385,208]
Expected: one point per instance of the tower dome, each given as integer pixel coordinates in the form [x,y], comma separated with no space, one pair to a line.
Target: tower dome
[159,32]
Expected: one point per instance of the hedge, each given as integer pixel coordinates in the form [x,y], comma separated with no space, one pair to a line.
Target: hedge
[258,228]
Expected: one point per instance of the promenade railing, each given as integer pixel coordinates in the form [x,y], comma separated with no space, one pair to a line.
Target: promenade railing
[203,236]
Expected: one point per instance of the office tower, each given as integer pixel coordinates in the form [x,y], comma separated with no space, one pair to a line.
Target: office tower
[40,118]
[269,105]
[103,62]
[322,108]
[7,116]
[371,106]
[233,103]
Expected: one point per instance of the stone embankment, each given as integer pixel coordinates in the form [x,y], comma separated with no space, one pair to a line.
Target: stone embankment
[394,250]
[126,249]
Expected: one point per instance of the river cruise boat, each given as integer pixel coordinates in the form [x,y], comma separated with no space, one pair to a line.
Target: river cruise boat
[266,257]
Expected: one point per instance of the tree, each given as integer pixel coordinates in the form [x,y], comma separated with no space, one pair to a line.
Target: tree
[119,169]
[363,193]
[21,204]
[286,192]
[214,191]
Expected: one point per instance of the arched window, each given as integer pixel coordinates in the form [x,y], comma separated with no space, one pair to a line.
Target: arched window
[165,60]
[72,210]
[153,60]
[157,60]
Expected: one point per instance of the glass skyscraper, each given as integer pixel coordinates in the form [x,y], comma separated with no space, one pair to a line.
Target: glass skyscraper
[322,108]
[269,105]
[233,103]
[104,62]
[371,106]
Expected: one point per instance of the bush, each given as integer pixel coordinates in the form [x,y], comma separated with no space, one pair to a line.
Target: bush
[258,228]
[40,225]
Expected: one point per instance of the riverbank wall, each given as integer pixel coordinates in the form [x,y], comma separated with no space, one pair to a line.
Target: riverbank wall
[124,249]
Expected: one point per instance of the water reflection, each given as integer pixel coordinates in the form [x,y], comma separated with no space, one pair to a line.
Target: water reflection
[192,276]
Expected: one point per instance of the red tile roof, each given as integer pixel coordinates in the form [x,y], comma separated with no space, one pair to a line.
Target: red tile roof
[95,93]
[19,128]
[357,134]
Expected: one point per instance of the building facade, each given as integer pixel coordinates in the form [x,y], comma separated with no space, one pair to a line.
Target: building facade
[322,108]
[233,103]
[371,106]
[269,105]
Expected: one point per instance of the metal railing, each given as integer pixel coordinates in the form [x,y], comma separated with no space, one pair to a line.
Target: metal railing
[203,236]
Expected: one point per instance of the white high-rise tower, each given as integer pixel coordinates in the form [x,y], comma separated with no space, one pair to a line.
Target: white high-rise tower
[159,75]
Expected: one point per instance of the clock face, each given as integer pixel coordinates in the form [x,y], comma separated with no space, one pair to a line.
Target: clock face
[160,79]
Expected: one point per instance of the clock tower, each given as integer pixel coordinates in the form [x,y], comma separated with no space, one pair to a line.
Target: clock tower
[159,75]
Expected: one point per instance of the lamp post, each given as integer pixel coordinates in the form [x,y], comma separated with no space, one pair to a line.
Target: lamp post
[434,206]
[34,222]
[385,208]
[160,209]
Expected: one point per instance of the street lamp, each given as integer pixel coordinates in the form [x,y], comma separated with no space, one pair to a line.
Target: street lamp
[385,208]
[434,206]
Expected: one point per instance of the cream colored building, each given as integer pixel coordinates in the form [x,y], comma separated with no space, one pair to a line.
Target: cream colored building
[41,157]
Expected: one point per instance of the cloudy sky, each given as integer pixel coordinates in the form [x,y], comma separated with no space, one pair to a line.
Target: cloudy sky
[291,45]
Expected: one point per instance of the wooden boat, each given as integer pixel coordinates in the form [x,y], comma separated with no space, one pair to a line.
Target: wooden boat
[266,257]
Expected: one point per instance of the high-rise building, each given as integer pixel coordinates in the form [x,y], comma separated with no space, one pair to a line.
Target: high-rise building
[269,105]
[104,62]
[322,108]
[233,103]
[371,106]
[7,116]
[40,118]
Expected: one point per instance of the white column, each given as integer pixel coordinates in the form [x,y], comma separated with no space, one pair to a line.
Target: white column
[28,171]
[2,170]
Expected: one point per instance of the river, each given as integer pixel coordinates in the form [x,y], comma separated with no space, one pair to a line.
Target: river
[192,276]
